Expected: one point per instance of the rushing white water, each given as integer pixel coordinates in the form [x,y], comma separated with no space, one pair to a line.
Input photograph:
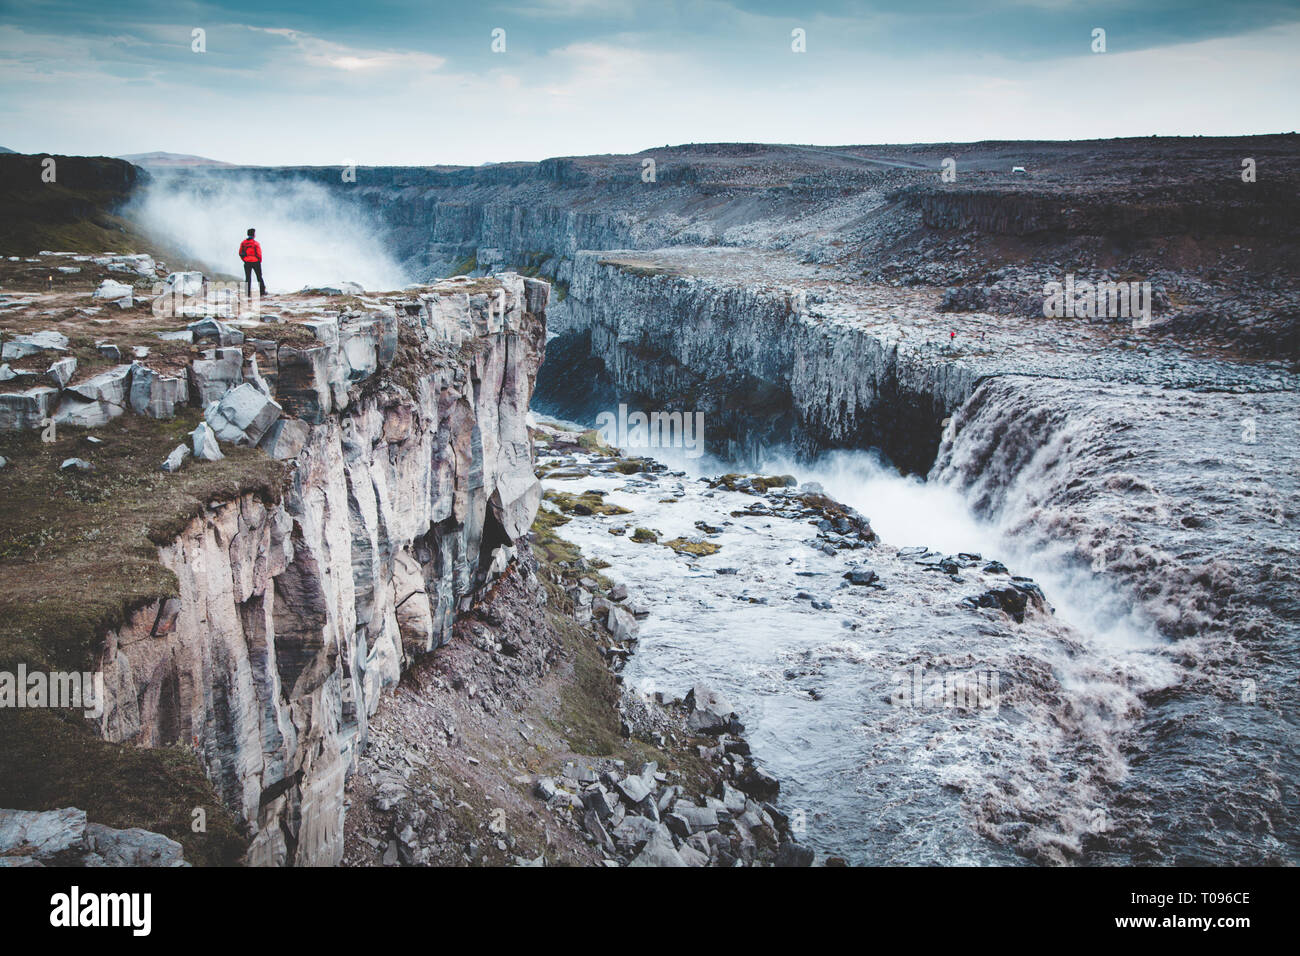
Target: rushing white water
[909,512]
[309,237]
[906,511]
[875,778]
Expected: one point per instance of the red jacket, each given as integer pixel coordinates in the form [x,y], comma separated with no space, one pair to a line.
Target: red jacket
[250,251]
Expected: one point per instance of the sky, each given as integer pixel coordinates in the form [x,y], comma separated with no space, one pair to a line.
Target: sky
[324,82]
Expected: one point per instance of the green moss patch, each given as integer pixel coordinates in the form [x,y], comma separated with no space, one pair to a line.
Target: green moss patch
[698,548]
[586,503]
[549,545]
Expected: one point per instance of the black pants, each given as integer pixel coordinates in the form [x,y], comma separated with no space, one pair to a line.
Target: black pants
[249,269]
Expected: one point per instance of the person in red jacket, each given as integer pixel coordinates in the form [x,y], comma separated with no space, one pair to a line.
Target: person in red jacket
[251,254]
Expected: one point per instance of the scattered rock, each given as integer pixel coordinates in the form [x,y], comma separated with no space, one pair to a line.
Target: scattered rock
[861,576]
[176,459]
[243,415]
[61,372]
[204,441]
[21,346]
[110,290]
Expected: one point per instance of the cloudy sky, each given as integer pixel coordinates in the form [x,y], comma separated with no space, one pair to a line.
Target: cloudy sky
[417,82]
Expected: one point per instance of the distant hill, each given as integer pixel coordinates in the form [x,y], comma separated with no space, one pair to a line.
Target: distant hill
[77,213]
[5,149]
[171,159]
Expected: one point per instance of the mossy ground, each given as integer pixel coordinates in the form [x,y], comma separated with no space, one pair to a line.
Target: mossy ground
[79,550]
[549,545]
[78,553]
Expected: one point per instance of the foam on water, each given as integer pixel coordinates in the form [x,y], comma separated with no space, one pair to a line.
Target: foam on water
[876,782]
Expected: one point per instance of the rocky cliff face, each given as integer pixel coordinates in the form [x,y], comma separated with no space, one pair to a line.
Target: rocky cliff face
[764,363]
[1198,208]
[409,486]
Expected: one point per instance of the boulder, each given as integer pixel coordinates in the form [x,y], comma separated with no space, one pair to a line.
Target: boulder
[1014,599]
[635,830]
[710,712]
[686,819]
[142,263]
[204,440]
[303,385]
[111,387]
[110,290]
[600,802]
[860,576]
[243,415]
[633,789]
[64,838]
[155,394]
[622,625]
[216,373]
[176,459]
[41,834]
[80,413]
[219,332]
[692,856]
[759,784]
[76,464]
[23,410]
[286,439]
[134,846]
[793,854]
[61,372]
[183,283]
[591,823]
[659,851]
[21,346]
[545,789]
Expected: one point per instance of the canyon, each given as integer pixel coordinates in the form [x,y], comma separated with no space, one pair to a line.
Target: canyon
[813,306]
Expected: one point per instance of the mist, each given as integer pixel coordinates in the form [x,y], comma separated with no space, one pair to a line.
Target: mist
[308,236]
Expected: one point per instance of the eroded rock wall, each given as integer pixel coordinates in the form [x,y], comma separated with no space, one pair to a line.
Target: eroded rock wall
[293,617]
[766,365]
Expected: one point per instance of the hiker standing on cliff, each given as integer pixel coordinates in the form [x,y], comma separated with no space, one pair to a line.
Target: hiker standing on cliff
[251,254]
